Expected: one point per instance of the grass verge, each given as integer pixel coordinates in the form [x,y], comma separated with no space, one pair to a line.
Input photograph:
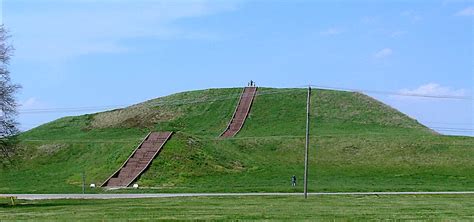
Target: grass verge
[353,208]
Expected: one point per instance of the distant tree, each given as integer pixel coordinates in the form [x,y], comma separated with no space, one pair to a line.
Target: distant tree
[8,106]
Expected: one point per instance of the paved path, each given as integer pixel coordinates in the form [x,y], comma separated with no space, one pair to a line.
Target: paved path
[136,196]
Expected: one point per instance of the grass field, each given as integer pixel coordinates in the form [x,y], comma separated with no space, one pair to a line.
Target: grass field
[357,144]
[345,208]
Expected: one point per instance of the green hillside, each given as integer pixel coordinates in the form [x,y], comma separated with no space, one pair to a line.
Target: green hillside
[357,144]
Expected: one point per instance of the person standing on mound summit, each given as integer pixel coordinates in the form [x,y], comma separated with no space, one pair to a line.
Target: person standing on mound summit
[293,181]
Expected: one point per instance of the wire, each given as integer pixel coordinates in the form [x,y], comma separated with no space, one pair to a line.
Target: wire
[214,139]
[164,102]
[174,102]
[355,122]
[443,123]
[86,141]
[396,93]
[460,129]
[231,96]
[70,109]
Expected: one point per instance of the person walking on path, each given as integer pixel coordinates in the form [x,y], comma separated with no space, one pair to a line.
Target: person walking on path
[293,181]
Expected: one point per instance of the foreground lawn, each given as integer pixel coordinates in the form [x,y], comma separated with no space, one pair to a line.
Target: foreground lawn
[422,207]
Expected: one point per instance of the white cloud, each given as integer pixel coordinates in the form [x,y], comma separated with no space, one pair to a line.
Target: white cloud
[77,28]
[383,53]
[434,89]
[469,11]
[30,103]
[331,31]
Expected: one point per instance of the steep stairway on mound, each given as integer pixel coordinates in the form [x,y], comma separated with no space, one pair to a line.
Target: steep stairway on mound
[139,161]
[241,112]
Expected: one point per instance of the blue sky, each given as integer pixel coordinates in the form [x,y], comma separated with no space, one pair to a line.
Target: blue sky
[88,53]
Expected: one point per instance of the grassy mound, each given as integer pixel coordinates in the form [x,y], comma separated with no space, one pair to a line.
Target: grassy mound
[357,144]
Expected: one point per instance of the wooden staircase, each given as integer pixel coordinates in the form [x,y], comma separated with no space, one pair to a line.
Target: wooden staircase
[139,161]
[241,112]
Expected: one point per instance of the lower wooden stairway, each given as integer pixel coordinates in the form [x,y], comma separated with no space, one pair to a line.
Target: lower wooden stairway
[139,161]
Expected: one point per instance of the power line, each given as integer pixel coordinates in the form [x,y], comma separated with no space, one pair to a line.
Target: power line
[432,96]
[355,122]
[67,109]
[164,101]
[136,140]
[444,123]
[176,102]
[450,128]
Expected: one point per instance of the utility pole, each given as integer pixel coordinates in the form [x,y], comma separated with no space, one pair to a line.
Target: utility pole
[308,109]
[83,182]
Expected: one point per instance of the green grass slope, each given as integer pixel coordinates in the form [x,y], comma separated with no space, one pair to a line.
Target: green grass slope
[357,144]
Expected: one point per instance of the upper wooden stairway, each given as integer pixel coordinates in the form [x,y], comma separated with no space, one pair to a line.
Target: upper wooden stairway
[241,112]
